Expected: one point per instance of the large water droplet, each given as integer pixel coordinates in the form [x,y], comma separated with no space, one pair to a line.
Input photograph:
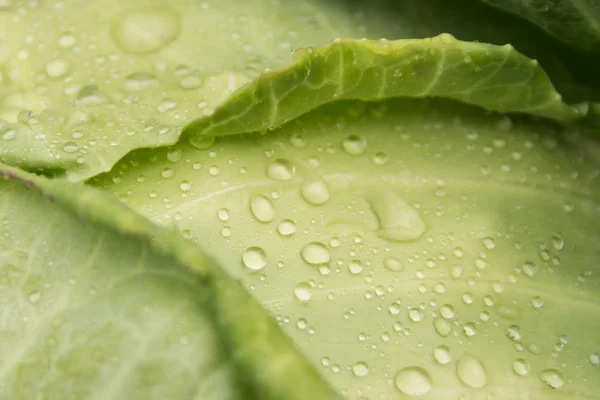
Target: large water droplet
[521,367]
[398,221]
[442,355]
[315,191]
[315,253]
[147,29]
[413,381]
[254,258]
[442,326]
[286,227]
[471,371]
[281,169]
[355,145]
[262,208]
[552,378]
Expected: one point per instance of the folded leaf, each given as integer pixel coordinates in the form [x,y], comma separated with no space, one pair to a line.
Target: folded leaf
[576,22]
[409,247]
[98,303]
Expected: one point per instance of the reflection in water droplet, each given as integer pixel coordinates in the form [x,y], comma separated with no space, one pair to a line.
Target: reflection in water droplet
[521,367]
[471,371]
[393,264]
[315,253]
[398,220]
[254,258]
[355,145]
[552,378]
[413,381]
[147,29]
[360,369]
[315,191]
[286,227]
[302,292]
[442,354]
[281,169]
[262,208]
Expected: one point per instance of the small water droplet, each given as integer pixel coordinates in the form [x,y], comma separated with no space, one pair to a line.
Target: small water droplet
[57,68]
[521,367]
[202,142]
[442,326]
[415,315]
[35,297]
[513,333]
[146,29]
[297,141]
[286,227]
[355,145]
[537,302]
[223,214]
[185,186]
[594,358]
[91,95]
[393,264]
[254,258]
[529,269]
[138,81]
[360,369]
[191,81]
[442,355]
[66,40]
[281,169]
[315,253]
[489,243]
[302,292]
[315,191]
[380,158]
[70,147]
[413,381]
[471,371]
[355,267]
[552,378]
[262,208]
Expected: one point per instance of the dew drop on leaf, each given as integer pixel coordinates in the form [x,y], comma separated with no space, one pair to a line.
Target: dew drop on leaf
[355,145]
[254,258]
[147,29]
[413,381]
[66,40]
[398,220]
[594,358]
[302,292]
[315,253]
[442,326]
[70,147]
[393,264]
[262,208]
[286,227]
[442,355]
[521,367]
[91,95]
[57,68]
[552,378]
[202,142]
[471,371]
[315,191]
[360,369]
[281,170]
[355,267]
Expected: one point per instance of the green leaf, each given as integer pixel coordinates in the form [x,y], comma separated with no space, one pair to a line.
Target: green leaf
[98,303]
[407,246]
[576,22]
[496,78]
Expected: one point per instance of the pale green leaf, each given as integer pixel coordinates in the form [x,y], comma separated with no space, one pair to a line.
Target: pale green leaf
[407,246]
[98,303]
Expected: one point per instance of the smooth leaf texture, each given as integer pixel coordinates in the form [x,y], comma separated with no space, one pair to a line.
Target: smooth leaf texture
[77,96]
[98,303]
[576,22]
[409,247]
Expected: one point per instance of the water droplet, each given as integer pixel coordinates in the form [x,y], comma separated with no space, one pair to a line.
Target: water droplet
[281,169]
[57,68]
[398,220]
[174,155]
[415,315]
[302,292]
[167,104]
[254,258]
[521,367]
[297,141]
[9,135]
[471,371]
[147,29]
[489,243]
[286,227]
[315,253]
[594,358]
[66,40]
[380,158]
[140,81]
[447,311]
[413,381]
[360,369]
[70,147]
[558,242]
[315,191]
[529,269]
[442,326]
[537,302]
[185,186]
[355,145]
[513,333]
[552,378]
[191,81]
[261,208]
[91,95]
[355,267]
[202,142]
[442,355]
[35,297]
[393,264]
[223,214]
